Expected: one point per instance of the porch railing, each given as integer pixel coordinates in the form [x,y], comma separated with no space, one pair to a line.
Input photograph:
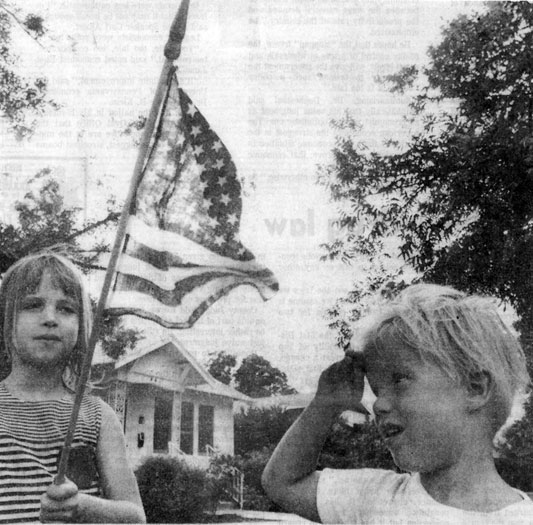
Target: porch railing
[235,489]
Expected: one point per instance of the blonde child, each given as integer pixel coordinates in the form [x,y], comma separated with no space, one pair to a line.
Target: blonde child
[445,371]
[45,320]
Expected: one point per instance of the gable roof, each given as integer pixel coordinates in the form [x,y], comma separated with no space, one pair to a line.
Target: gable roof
[192,374]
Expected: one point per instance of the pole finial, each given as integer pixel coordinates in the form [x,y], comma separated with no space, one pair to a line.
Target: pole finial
[177,32]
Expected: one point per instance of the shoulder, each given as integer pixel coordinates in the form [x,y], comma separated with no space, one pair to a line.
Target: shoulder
[353,495]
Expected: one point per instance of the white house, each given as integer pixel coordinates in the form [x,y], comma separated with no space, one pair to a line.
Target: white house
[169,404]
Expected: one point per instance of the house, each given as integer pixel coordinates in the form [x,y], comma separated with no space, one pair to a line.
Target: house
[168,403]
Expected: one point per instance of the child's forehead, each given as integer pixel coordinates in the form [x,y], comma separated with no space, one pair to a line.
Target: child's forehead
[48,276]
[389,346]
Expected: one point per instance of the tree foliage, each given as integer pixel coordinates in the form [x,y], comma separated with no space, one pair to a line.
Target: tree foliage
[351,447]
[515,452]
[44,221]
[22,99]
[455,203]
[259,428]
[220,365]
[255,376]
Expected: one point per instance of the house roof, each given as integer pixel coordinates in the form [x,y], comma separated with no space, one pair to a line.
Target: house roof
[192,374]
[301,400]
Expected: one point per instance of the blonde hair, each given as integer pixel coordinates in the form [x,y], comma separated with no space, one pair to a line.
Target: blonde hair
[463,335]
[23,278]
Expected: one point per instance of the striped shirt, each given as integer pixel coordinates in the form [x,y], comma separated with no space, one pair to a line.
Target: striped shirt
[31,437]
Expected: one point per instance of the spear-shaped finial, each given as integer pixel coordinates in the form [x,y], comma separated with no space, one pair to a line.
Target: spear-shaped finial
[177,32]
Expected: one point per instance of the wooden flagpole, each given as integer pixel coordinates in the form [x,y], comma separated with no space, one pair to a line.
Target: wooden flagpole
[172,52]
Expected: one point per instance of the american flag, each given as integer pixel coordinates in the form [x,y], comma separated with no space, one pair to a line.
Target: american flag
[182,249]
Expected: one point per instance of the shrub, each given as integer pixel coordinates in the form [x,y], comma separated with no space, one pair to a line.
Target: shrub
[258,428]
[172,491]
[355,447]
[252,466]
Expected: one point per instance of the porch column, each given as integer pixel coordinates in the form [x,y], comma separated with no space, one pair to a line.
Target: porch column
[176,419]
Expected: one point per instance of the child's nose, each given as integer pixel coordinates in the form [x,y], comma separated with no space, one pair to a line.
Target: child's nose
[49,316]
[382,405]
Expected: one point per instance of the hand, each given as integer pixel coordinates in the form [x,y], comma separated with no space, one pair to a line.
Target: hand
[60,503]
[341,385]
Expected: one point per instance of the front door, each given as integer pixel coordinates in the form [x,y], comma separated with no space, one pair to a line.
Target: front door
[162,421]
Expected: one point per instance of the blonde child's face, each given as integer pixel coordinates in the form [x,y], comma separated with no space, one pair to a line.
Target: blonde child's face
[46,328]
[421,413]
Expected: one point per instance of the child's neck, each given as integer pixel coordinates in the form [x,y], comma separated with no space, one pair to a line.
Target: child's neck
[35,386]
[470,485]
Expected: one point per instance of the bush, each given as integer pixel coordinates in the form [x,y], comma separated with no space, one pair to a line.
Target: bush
[258,428]
[252,466]
[172,491]
[355,447]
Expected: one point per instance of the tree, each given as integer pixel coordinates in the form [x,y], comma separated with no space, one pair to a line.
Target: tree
[21,99]
[455,203]
[45,222]
[220,365]
[256,377]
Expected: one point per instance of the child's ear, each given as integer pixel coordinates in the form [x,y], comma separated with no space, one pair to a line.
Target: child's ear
[480,386]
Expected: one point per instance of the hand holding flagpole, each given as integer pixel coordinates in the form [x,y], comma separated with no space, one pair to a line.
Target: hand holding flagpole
[171,52]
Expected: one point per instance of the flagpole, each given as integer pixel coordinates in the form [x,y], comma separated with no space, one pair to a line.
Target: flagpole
[172,51]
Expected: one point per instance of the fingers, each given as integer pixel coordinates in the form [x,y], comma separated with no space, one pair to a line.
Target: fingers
[357,359]
[63,491]
[60,503]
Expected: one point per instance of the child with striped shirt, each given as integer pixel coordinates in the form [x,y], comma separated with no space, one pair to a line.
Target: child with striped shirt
[45,321]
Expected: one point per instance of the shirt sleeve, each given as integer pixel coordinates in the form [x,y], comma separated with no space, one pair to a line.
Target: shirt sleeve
[355,496]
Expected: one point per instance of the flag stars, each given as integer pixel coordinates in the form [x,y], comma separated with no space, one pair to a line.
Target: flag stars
[212,222]
[221,181]
[195,131]
[191,110]
[217,145]
[198,150]
[219,240]
[219,164]
[226,199]
[232,218]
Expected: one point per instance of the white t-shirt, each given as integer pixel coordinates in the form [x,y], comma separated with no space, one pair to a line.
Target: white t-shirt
[373,496]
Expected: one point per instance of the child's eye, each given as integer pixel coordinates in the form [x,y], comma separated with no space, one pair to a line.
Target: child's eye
[68,308]
[30,304]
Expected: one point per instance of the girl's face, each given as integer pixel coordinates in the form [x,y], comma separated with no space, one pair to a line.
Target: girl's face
[421,413]
[46,327]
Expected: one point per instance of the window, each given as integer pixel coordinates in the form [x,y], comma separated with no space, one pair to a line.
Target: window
[187,427]
[205,428]
[162,421]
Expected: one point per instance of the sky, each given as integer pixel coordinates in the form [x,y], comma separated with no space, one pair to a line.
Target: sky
[269,76]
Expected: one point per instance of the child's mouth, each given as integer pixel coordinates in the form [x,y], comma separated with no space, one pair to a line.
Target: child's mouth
[389,431]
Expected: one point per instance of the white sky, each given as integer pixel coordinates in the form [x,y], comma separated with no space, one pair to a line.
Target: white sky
[268,75]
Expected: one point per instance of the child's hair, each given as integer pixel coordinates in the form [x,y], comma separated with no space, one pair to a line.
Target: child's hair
[463,335]
[23,278]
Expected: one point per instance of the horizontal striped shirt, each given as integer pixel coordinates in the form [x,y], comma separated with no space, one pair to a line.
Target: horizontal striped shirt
[31,437]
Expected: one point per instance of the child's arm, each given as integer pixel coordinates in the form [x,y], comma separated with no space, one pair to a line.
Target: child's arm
[122,503]
[290,477]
